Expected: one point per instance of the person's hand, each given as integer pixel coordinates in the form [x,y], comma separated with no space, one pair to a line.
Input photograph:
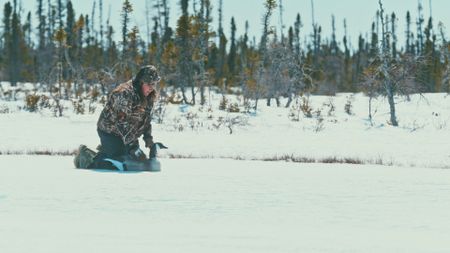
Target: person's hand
[149,143]
[137,154]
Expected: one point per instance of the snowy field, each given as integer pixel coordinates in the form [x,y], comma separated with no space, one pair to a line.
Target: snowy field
[205,205]
[421,140]
[230,196]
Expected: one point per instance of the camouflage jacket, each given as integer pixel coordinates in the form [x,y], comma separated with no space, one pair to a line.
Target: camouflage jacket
[125,115]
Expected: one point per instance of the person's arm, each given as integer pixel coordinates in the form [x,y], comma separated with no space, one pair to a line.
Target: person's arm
[121,106]
[148,138]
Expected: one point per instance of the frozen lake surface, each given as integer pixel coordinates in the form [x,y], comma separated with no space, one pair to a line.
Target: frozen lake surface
[222,206]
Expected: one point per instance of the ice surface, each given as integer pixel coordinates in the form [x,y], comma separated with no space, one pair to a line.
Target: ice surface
[196,205]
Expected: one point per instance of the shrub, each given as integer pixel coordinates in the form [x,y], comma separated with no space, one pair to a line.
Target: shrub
[223,103]
[175,99]
[319,121]
[294,111]
[78,106]
[92,107]
[306,107]
[331,107]
[95,93]
[159,112]
[348,106]
[231,122]
[34,103]
[193,120]
[44,102]
[234,107]
[4,109]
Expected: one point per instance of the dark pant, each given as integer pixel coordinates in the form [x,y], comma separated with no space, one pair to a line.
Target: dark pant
[112,147]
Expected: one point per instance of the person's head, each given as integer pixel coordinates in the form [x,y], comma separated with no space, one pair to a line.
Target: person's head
[146,80]
[147,88]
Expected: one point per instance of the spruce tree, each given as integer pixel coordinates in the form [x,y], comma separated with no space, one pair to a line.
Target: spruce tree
[374,49]
[203,35]
[333,44]
[232,54]
[41,26]
[51,24]
[408,48]
[14,64]
[185,59]
[102,41]
[291,38]
[297,26]
[394,35]
[168,32]
[71,42]
[60,12]
[420,21]
[270,5]
[348,82]
[80,25]
[7,37]
[27,31]
[127,8]
[221,67]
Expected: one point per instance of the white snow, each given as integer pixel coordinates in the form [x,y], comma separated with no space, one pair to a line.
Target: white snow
[196,205]
[225,205]
[420,140]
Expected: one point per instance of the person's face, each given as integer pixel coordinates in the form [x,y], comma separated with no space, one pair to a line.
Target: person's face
[147,88]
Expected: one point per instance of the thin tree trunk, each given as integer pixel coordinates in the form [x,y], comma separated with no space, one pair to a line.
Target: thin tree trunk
[391,104]
[385,69]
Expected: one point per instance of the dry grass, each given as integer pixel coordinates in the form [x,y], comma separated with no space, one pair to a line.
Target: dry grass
[287,157]
[39,152]
[290,158]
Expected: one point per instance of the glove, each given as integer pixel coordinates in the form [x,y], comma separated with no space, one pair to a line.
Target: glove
[136,153]
[149,142]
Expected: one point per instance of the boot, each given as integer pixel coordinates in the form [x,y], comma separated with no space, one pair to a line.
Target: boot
[84,157]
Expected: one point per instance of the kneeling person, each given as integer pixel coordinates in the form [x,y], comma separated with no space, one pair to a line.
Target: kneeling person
[125,117]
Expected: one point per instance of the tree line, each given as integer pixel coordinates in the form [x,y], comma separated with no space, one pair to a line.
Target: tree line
[70,53]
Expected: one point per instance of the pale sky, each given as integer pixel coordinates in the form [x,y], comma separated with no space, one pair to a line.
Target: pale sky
[359,14]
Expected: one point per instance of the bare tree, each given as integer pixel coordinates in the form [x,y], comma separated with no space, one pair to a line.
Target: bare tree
[388,76]
[386,64]
[264,57]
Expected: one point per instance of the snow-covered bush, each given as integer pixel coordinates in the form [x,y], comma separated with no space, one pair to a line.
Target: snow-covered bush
[4,109]
[78,106]
[32,101]
[303,106]
[233,107]
[306,107]
[159,112]
[331,107]
[35,103]
[223,103]
[319,124]
[196,118]
[348,107]
[294,111]
[92,106]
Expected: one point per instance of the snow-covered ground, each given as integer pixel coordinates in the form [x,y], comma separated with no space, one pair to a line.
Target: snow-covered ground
[231,200]
[420,140]
[215,205]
